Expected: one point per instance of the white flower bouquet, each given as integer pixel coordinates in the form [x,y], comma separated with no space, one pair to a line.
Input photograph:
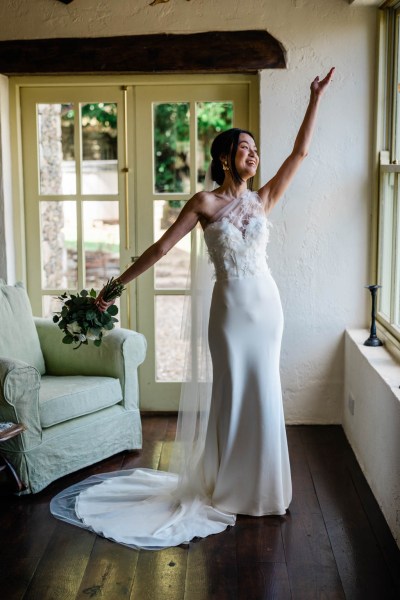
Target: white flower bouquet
[81,319]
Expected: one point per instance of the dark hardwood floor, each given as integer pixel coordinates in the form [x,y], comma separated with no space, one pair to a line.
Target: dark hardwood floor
[333,544]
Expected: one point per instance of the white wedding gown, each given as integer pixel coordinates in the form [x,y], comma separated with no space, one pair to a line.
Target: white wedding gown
[244,464]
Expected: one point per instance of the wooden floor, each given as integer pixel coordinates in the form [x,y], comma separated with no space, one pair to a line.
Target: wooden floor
[333,544]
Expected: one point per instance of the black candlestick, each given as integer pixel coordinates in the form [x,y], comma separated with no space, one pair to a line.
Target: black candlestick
[373,340]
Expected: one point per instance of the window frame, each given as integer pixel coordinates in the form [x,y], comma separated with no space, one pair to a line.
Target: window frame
[388,165]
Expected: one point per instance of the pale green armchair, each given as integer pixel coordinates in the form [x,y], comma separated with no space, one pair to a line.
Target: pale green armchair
[78,406]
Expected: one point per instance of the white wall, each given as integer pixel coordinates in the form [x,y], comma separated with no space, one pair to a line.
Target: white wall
[319,245]
[319,248]
[371,420]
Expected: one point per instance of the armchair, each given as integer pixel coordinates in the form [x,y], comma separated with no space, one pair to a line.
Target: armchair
[78,407]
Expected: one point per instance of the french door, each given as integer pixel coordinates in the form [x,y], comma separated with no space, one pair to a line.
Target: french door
[106,170]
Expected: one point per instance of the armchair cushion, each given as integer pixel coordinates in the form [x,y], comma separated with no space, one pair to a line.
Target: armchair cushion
[19,339]
[119,356]
[68,397]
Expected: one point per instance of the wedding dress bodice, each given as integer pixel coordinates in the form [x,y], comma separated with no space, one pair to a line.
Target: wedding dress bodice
[237,238]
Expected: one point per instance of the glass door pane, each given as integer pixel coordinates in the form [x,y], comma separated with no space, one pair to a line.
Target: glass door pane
[101,241]
[57,167]
[170,338]
[99,148]
[171,147]
[58,241]
[212,118]
[172,272]
[396,257]
[386,243]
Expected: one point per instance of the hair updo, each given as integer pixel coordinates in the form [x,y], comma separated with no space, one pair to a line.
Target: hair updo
[226,143]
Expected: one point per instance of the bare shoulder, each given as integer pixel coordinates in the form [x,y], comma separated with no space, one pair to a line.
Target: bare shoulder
[204,198]
[204,203]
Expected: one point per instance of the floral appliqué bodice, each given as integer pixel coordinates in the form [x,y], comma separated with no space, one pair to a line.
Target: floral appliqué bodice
[237,238]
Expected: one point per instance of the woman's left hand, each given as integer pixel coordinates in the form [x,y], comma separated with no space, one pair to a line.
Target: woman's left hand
[318,87]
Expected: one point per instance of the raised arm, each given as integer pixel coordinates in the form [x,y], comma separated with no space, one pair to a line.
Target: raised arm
[272,191]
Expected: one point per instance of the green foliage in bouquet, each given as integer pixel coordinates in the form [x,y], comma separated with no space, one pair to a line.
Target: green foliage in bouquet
[81,319]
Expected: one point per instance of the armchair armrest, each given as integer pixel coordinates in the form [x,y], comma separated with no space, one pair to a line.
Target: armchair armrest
[119,356]
[19,398]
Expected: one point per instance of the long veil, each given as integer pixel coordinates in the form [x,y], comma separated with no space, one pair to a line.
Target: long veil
[194,406]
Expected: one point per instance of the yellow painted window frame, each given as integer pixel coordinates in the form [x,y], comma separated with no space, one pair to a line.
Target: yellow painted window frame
[386,162]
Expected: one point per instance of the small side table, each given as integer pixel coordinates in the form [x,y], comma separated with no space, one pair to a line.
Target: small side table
[7,431]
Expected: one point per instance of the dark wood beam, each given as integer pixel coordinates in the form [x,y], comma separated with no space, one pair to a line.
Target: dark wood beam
[207,52]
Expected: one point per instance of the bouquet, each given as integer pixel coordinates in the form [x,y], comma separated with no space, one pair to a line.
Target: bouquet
[82,320]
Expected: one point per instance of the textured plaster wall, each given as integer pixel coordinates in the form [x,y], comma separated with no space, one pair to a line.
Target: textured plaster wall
[319,249]
[21,19]
[319,243]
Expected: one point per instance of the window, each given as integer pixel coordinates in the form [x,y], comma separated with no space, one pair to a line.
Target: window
[388,213]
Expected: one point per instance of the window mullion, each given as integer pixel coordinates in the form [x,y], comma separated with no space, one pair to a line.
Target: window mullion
[394,278]
[380,236]
[390,78]
[394,248]
[79,228]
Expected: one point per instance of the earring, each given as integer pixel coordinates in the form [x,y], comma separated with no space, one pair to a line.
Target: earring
[225,166]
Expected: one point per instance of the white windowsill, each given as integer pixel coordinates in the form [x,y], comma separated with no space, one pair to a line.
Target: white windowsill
[379,358]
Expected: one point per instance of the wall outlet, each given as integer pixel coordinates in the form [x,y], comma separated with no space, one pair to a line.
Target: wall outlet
[351,403]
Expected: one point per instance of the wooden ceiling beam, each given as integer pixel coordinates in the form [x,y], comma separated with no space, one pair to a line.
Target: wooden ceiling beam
[207,52]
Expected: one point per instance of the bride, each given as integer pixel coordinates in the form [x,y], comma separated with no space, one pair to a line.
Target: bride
[230,455]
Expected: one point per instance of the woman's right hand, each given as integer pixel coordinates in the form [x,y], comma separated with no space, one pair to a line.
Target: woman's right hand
[101,304]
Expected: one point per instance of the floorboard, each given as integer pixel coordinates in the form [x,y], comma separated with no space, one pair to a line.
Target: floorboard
[360,562]
[264,581]
[62,565]
[333,544]
[110,572]
[310,560]
[376,519]
[160,575]
[212,567]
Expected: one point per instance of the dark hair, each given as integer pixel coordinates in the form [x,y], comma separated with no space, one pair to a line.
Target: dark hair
[226,143]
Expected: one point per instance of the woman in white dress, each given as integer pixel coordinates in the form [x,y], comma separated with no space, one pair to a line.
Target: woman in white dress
[235,456]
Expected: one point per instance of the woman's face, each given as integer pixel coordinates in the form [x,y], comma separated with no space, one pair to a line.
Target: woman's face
[246,159]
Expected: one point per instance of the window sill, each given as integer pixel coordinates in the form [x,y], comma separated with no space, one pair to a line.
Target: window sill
[384,361]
